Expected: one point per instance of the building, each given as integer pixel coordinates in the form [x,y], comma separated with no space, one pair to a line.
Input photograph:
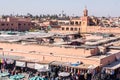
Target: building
[15,24]
[88,24]
[96,52]
[77,24]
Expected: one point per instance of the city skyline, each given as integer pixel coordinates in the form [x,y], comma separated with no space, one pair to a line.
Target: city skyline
[96,8]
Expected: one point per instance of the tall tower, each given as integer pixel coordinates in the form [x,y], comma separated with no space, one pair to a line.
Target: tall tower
[85,12]
[85,21]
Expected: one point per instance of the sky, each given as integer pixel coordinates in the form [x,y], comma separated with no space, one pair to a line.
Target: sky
[70,7]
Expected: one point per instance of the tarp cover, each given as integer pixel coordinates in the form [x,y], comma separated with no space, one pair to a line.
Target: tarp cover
[20,64]
[31,65]
[40,66]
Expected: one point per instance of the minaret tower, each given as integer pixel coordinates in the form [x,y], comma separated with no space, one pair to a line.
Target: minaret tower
[85,21]
[85,12]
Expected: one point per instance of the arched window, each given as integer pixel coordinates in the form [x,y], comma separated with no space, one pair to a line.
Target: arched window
[80,23]
[63,28]
[67,29]
[7,30]
[75,29]
[71,29]
[72,23]
[76,23]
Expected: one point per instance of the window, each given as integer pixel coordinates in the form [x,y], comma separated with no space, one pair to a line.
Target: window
[76,23]
[32,24]
[67,29]
[71,29]
[80,23]
[12,24]
[19,24]
[72,23]
[75,29]
[2,24]
[63,28]
[7,30]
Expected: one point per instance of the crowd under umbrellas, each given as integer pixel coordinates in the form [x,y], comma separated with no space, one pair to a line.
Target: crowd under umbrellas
[9,69]
[63,71]
[13,68]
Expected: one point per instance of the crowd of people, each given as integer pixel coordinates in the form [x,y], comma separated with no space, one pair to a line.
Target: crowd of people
[54,73]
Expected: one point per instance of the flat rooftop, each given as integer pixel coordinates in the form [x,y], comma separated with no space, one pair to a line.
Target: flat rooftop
[111,52]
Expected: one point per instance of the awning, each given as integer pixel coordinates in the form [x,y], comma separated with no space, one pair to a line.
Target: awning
[57,63]
[64,74]
[113,65]
[31,65]
[9,61]
[85,66]
[20,64]
[41,66]
[92,67]
[43,70]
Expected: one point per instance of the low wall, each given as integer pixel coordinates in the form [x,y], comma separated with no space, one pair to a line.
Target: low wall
[92,29]
[45,57]
[46,49]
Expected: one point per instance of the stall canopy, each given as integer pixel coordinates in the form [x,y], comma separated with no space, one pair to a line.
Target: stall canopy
[113,65]
[60,63]
[85,66]
[9,61]
[41,66]
[31,65]
[20,64]
[92,66]
[64,74]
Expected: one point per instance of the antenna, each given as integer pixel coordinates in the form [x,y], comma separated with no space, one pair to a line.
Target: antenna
[62,13]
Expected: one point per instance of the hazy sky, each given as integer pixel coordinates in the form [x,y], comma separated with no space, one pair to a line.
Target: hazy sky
[70,7]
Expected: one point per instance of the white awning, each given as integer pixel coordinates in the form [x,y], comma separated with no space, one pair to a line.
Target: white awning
[92,66]
[41,66]
[64,74]
[20,64]
[31,65]
[9,61]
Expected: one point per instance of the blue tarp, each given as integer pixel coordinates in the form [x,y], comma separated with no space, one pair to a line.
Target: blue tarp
[75,64]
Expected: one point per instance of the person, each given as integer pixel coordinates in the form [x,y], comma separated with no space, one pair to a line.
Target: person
[21,70]
[30,75]
[10,72]
[85,76]
[2,70]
